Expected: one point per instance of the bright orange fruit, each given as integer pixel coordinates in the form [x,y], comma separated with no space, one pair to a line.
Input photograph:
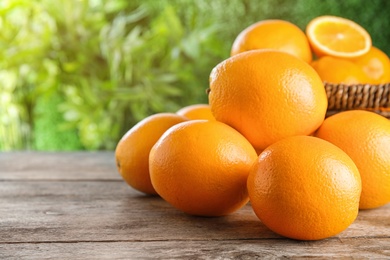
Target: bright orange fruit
[201,167]
[267,95]
[375,65]
[365,137]
[196,111]
[132,151]
[337,70]
[305,188]
[337,37]
[273,34]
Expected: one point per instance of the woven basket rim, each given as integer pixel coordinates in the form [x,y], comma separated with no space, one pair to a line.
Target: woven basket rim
[373,97]
[352,85]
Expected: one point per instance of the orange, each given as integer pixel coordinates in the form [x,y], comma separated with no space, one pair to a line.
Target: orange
[365,137]
[305,188]
[267,95]
[201,167]
[337,70]
[337,37]
[273,34]
[197,111]
[376,66]
[132,151]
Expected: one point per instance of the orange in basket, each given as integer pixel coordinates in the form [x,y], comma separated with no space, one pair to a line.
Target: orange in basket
[375,65]
[337,37]
[338,70]
[273,34]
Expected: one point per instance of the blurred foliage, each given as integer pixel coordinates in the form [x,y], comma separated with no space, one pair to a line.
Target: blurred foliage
[77,74]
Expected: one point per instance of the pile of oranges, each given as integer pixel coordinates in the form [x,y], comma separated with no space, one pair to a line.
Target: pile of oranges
[264,139]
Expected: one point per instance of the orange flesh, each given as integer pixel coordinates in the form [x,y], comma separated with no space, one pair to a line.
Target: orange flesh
[340,37]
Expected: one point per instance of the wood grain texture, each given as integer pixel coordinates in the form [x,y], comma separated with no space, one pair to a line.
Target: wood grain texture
[75,206]
[58,166]
[212,249]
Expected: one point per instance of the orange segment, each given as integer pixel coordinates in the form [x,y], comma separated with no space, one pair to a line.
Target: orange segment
[338,37]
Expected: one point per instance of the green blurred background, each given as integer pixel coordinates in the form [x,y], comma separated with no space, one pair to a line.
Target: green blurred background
[77,74]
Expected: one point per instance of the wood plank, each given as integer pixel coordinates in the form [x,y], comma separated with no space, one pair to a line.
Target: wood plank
[67,211]
[75,206]
[58,166]
[106,211]
[345,248]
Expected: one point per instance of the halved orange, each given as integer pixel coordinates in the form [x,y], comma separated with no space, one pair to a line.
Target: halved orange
[338,37]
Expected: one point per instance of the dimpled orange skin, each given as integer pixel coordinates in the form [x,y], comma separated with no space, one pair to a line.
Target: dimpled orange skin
[274,34]
[267,95]
[196,111]
[365,137]
[305,188]
[132,151]
[201,167]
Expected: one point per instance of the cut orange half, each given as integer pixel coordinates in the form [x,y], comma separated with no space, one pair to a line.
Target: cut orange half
[337,37]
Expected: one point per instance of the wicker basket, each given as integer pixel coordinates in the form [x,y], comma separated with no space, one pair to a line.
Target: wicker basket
[343,97]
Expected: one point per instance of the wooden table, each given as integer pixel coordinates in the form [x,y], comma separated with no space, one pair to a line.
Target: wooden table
[75,206]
